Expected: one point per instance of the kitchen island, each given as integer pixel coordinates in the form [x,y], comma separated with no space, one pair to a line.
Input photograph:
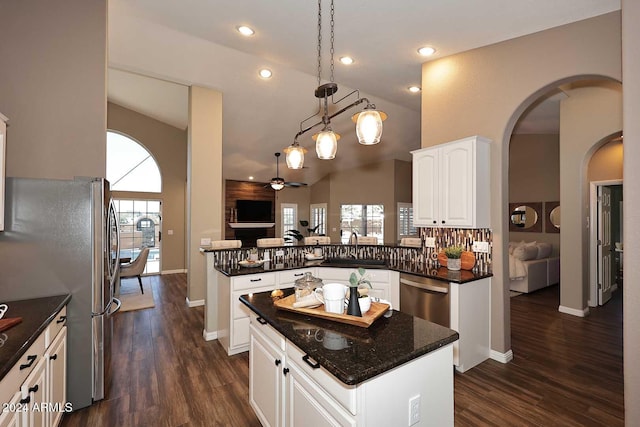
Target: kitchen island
[310,371]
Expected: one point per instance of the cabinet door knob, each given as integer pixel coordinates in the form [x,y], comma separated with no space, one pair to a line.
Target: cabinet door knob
[285,371]
[434,221]
[54,357]
[61,319]
[261,321]
[443,221]
[278,361]
[31,359]
[26,400]
[34,389]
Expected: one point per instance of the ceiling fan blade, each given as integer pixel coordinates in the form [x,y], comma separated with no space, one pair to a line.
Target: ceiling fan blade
[295,184]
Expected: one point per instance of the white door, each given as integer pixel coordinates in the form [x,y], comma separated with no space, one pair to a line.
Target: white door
[605,259]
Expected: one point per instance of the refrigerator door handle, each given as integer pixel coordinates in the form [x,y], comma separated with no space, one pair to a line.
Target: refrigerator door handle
[106,310]
[118,305]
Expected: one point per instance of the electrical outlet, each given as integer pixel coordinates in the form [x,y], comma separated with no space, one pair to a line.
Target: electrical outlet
[280,253]
[482,247]
[430,242]
[205,241]
[414,410]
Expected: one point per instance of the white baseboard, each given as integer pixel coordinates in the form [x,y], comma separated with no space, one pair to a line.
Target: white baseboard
[573,311]
[209,336]
[501,357]
[173,271]
[195,303]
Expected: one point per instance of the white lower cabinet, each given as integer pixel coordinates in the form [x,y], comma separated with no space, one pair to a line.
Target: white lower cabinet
[287,388]
[33,393]
[267,381]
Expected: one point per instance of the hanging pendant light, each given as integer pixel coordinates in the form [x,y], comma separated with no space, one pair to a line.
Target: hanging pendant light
[326,143]
[368,122]
[369,125]
[295,155]
[277,183]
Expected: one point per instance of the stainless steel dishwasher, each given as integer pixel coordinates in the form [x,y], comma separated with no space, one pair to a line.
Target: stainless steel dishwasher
[425,298]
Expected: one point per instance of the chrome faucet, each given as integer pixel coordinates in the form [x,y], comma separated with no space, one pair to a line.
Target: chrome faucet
[354,234]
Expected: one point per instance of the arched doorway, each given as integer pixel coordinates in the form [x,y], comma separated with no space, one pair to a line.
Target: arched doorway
[591,111]
[135,179]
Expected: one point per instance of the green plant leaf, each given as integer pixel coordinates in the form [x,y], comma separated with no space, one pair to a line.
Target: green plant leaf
[353,280]
[362,271]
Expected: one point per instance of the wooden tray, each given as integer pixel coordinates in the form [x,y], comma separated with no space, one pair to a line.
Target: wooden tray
[467,260]
[7,323]
[377,309]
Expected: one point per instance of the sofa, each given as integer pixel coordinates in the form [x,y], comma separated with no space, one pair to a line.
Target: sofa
[531,266]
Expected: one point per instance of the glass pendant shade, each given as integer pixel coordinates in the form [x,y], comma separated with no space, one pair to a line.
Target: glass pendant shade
[277,183]
[295,156]
[369,127]
[326,144]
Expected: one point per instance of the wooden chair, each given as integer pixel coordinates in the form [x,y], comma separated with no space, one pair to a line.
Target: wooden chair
[135,267]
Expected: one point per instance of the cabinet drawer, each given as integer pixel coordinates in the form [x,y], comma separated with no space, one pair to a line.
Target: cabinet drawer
[344,394]
[329,274]
[290,276]
[268,332]
[251,281]
[55,326]
[16,376]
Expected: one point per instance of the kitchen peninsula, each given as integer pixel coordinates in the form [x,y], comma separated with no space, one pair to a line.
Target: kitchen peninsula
[310,371]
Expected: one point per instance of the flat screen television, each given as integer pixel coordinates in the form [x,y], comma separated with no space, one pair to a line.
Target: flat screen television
[254,210]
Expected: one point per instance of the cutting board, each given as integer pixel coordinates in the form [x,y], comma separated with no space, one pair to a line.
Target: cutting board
[467,260]
[7,323]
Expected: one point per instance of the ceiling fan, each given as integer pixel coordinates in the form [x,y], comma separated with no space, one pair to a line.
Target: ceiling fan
[278,183]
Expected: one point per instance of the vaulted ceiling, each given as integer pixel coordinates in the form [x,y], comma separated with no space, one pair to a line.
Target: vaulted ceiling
[157,48]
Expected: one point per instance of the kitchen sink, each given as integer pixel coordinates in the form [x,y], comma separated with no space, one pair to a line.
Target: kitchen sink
[355,262]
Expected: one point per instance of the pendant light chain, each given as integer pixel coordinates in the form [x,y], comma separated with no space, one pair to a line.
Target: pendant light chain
[332,39]
[319,40]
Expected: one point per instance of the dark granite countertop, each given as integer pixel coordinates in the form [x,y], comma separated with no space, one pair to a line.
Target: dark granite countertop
[419,269]
[351,353]
[36,315]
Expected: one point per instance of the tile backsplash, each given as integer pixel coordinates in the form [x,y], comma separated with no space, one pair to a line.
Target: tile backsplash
[425,256]
[459,236]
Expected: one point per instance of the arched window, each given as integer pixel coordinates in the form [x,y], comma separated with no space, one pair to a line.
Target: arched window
[130,167]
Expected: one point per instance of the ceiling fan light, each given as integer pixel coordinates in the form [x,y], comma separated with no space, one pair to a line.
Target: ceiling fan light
[295,156]
[277,183]
[369,127]
[326,144]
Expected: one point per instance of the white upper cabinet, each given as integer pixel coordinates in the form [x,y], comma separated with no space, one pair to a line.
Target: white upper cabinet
[3,148]
[451,184]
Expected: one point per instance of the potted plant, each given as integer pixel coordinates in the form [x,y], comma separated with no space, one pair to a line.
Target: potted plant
[453,254]
[296,234]
[358,303]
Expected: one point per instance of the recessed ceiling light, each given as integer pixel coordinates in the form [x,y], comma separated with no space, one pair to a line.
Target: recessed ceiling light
[250,178]
[245,31]
[414,89]
[265,73]
[346,60]
[426,51]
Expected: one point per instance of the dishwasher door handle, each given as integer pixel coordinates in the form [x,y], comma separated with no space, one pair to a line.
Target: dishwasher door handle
[424,286]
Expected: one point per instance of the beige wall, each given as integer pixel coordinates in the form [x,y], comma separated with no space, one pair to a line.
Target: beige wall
[606,163]
[168,145]
[588,116]
[534,176]
[631,112]
[52,87]
[205,197]
[369,184]
[485,91]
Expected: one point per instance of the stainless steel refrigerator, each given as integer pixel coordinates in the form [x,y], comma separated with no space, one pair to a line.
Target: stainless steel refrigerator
[61,236]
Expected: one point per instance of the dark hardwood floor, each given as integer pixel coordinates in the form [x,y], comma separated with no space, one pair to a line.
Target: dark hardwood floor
[566,371]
